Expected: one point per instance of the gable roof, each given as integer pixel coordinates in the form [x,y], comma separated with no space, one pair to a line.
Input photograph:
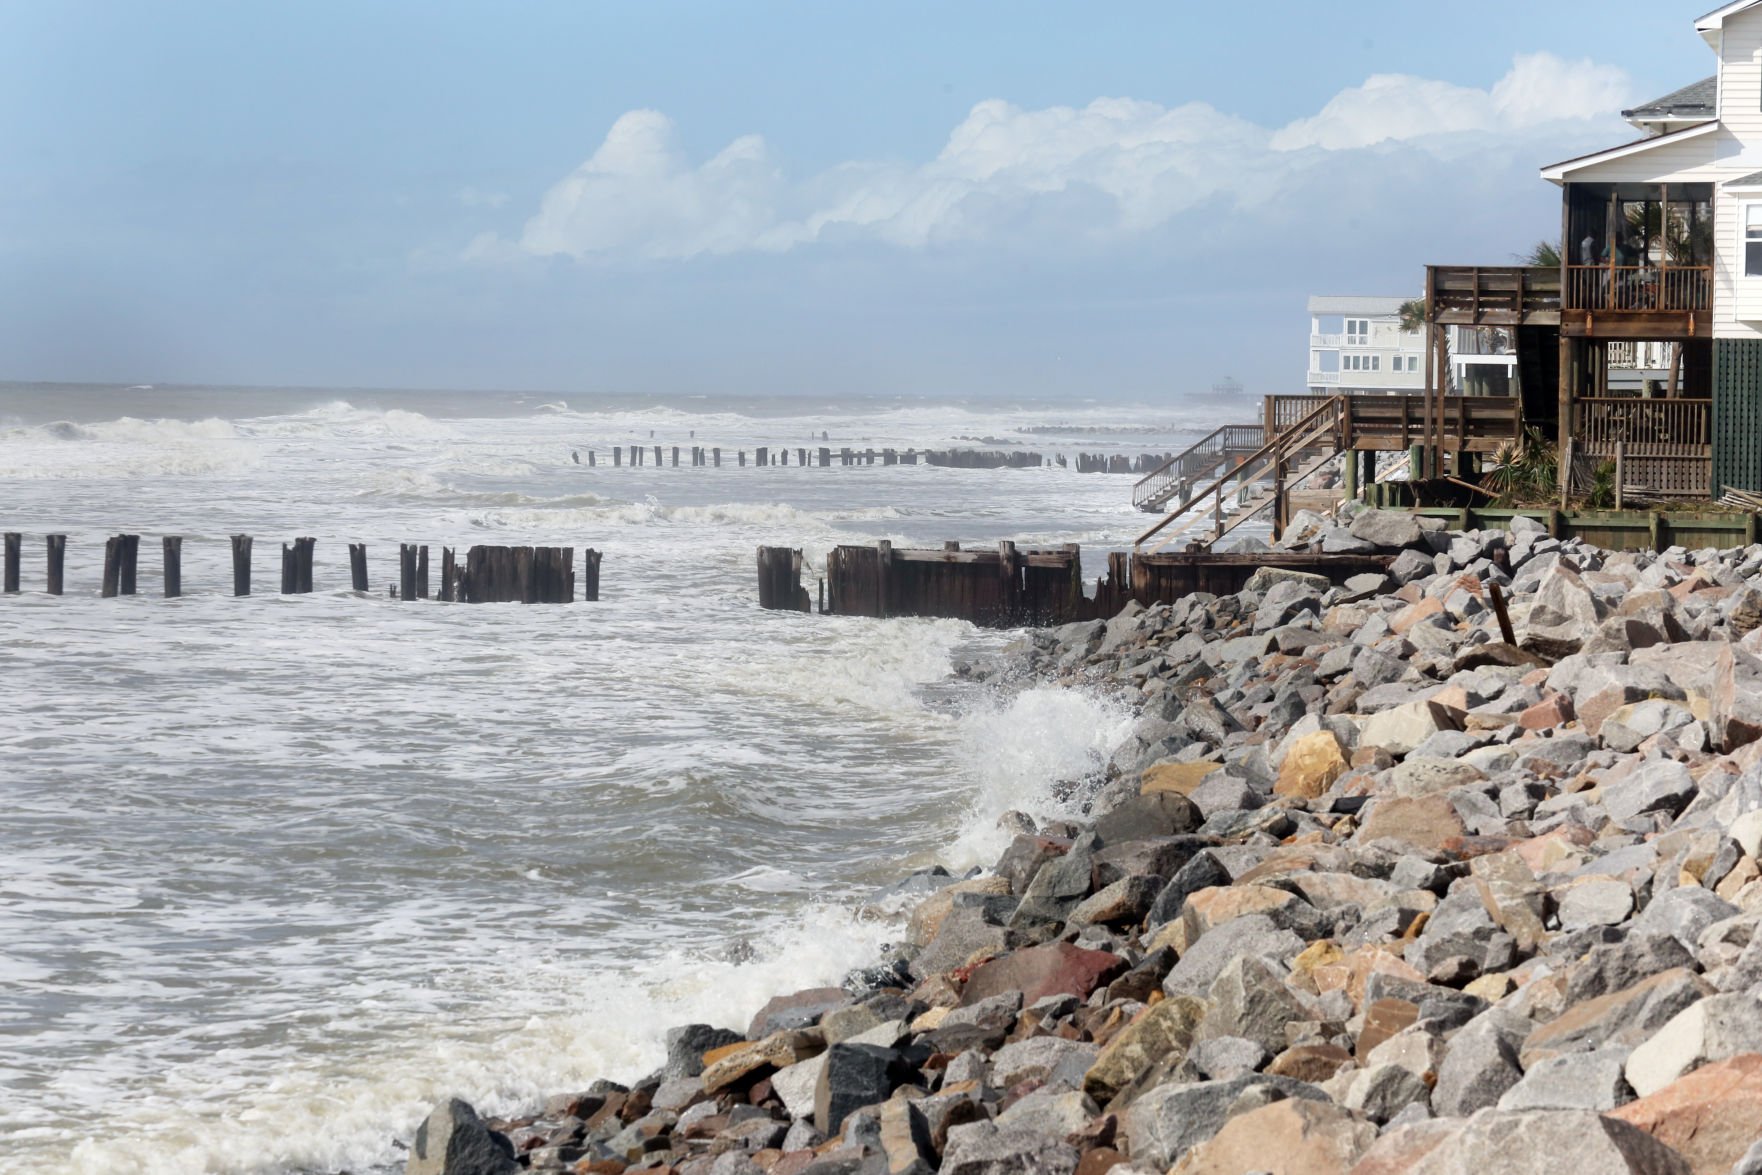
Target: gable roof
[1695,102]
[1714,21]
[1753,180]
[1557,171]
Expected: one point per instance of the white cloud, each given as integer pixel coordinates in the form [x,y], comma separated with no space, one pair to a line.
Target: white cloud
[1115,168]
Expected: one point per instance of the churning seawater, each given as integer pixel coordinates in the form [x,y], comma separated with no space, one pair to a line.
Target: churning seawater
[276,873]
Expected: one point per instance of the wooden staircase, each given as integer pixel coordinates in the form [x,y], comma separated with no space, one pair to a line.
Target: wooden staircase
[1296,453]
[1223,447]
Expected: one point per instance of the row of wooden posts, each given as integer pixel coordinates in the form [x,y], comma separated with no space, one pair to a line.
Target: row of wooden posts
[824,457]
[489,575]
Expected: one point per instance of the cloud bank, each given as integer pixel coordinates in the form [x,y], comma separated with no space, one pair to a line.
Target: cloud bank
[1112,170]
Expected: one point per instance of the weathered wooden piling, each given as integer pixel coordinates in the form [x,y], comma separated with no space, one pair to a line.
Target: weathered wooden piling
[241,564]
[303,548]
[120,553]
[657,456]
[742,456]
[716,454]
[825,456]
[530,575]
[406,571]
[14,548]
[676,456]
[358,566]
[780,580]
[131,551]
[449,573]
[55,560]
[590,458]
[172,547]
[617,456]
[112,566]
[759,456]
[590,575]
[422,572]
[1003,587]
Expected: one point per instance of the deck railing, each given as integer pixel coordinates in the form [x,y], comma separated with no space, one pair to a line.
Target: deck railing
[1631,288]
[1500,294]
[1161,483]
[1660,427]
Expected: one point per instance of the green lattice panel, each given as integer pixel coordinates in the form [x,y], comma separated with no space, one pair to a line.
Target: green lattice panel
[1737,415]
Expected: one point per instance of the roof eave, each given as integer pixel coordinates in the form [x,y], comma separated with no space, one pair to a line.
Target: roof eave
[1556,173]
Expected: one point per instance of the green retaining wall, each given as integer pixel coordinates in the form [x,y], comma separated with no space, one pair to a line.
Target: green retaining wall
[1737,415]
[1617,530]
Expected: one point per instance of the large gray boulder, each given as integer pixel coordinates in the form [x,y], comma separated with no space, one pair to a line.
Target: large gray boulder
[1172,1119]
[1386,528]
[985,1148]
[453,1140]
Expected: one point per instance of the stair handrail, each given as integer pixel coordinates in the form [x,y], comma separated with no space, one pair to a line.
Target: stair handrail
[1277,446]
[1184,462]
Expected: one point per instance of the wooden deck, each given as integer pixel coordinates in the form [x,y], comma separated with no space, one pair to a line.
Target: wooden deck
[1584,301]
[1392,424]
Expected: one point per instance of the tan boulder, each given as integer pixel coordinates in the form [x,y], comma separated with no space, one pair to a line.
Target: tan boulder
[1423,822]
[1292,1137]
[1311,766]
[1180,778]
[1161,1030]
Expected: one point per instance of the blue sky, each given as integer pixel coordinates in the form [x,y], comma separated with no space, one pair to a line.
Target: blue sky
[1023,198]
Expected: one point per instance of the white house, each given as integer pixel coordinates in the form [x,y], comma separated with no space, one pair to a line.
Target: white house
[1357,346]
[1663,244]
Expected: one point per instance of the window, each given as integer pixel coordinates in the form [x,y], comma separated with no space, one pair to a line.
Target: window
[1753,240]
[1363,362]
[1357,331]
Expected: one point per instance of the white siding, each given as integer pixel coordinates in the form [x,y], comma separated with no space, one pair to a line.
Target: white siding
[1737,300]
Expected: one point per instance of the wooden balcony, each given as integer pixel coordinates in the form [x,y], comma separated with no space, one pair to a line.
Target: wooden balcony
[1646,301]
[1476,424]
[1499,295]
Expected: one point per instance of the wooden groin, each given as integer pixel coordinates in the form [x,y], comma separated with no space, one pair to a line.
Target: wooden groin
[531,575]
[1011,586]
[826,457]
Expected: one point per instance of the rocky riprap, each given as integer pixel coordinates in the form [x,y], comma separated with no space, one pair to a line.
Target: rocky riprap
[1368,890]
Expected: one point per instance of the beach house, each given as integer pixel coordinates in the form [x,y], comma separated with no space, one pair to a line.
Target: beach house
[1357,347]
[1660,274]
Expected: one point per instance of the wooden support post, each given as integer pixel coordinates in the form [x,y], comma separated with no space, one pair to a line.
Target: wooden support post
[617,456]
[716,456]
[590,458]
[1659,531]
[676,456]
[422,572]
[14,547]
[742,455]
[406,571]
[844,456]
[590,575]
[822,595]
[657,456]
[173,548]
[1620,473]
[1009,571]
[287,571]
[55,550]
[358,566]
[303,564]
[449,572]
[801,457]
[1349,476]
[825,456]
[1498,598]
[112,566]
[759,456]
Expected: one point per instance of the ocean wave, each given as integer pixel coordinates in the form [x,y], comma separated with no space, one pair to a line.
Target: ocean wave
[125,447]
[606,1022]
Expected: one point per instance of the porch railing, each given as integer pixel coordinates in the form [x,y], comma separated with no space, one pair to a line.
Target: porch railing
[1629,288]
[1661,427]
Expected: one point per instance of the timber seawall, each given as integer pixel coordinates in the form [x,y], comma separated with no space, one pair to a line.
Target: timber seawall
[1388,878]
